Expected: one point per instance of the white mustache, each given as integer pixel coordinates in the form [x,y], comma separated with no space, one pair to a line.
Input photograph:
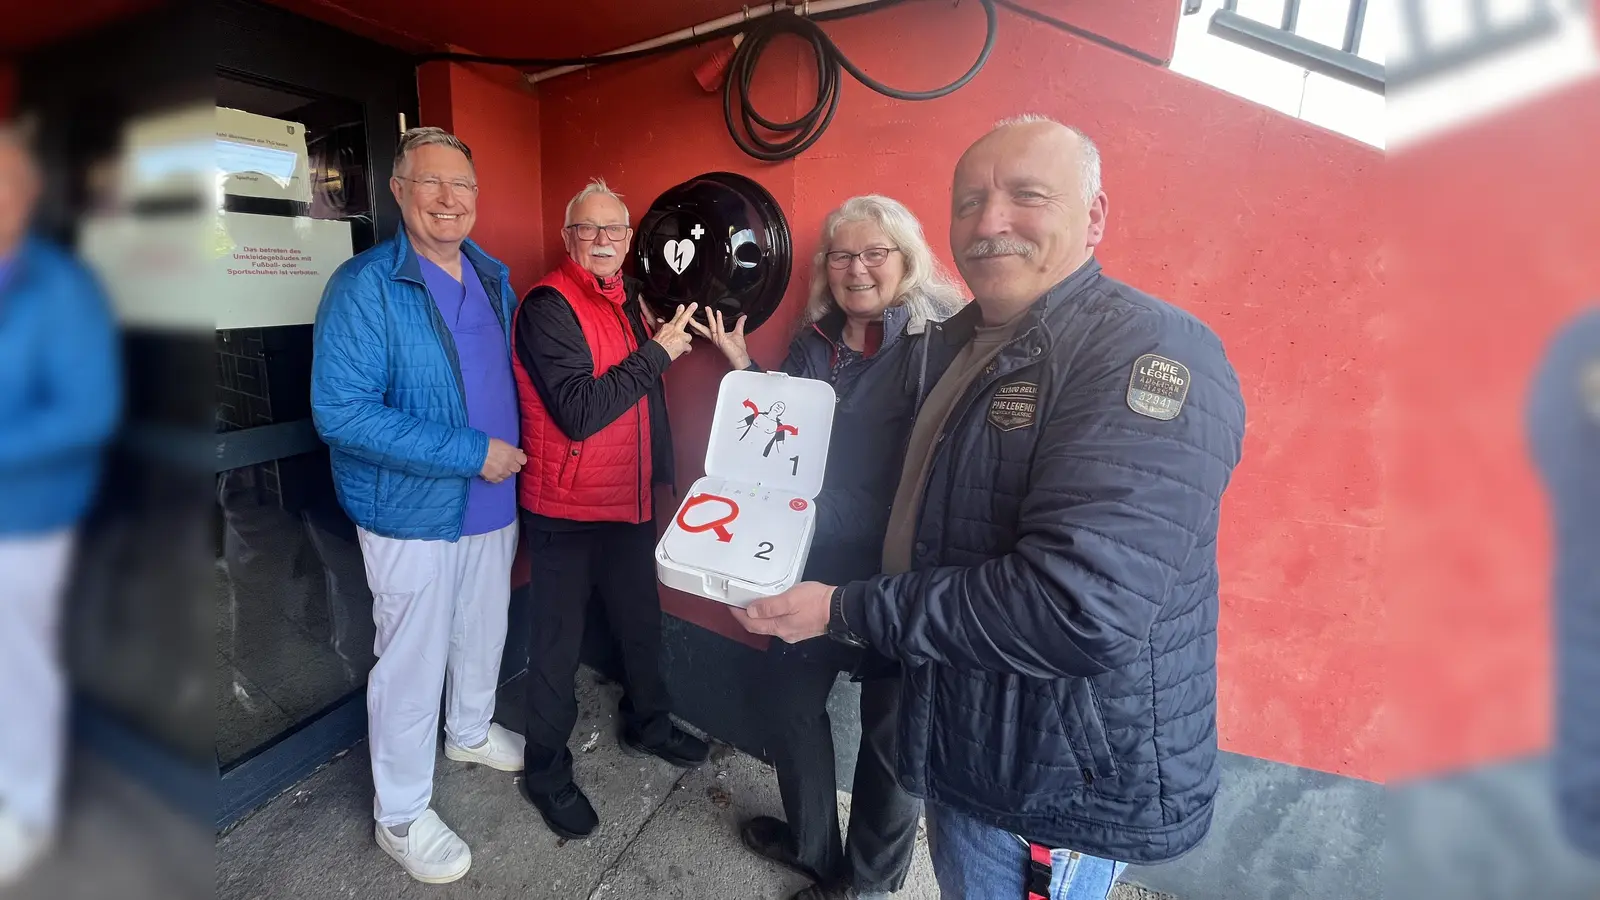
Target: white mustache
[984,248]
[603,251]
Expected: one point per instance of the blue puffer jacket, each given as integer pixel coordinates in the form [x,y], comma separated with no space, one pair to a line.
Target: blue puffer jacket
[387,394]
[1059,624]
[1564,431]
[60,390]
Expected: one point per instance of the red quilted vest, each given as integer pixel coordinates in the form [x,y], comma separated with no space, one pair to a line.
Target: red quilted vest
[605,478]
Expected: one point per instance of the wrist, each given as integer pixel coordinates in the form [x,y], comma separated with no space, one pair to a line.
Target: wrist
[838,624]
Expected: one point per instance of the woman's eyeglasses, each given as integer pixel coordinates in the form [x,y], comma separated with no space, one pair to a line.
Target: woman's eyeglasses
[587,231]
[872,257]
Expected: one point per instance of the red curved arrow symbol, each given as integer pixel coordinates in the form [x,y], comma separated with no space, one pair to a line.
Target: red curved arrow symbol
[717,525]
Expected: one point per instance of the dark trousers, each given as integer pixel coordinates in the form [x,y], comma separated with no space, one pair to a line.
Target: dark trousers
[615,561]
[883,817]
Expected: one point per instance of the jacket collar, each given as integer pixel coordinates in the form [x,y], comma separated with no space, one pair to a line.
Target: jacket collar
[408,267]
[958,328]
[610,289]
[895,320]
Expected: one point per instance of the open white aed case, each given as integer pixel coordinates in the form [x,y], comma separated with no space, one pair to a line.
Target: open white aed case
[744,530]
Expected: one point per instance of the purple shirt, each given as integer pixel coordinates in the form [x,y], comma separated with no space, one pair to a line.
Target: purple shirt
[491,389]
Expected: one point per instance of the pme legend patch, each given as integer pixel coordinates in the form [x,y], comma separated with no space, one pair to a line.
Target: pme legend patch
[1158,387]
[1015,405]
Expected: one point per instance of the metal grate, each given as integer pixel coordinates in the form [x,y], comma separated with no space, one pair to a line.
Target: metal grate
[1421,55]
[1280,39]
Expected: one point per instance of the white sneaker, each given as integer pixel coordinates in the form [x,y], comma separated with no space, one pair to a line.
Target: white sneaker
[503,750]
[21,848]
[430,852]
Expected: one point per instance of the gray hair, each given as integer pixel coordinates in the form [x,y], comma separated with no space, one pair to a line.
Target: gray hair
[596,187]
[423,137]
[1089,173]
[927,290]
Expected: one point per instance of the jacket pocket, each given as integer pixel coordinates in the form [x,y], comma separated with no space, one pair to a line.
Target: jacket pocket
[1078,703]
[569,466]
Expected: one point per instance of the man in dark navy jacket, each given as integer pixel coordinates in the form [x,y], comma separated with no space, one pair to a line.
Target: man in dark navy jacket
[1564,431]
[1050,575]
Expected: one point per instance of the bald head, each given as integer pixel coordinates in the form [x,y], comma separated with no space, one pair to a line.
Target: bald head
[19,188]
[1026,211]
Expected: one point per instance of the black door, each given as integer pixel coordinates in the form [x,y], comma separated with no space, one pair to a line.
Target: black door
[295,631]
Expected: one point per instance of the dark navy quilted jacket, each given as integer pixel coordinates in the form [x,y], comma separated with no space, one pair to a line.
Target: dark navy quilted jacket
[1059,626]
[387,395]
[1564,431]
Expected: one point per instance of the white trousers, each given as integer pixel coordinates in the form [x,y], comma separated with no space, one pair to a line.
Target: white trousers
[440,610]
[33,687]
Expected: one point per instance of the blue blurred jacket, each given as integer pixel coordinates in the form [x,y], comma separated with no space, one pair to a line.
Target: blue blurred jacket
[60,389]
[1564,434]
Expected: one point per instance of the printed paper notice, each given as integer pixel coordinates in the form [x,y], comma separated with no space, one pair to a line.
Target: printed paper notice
[259,156]
[274,268]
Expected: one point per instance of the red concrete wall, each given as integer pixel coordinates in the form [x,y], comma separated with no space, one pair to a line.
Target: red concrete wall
[1260,224]
[1494,249]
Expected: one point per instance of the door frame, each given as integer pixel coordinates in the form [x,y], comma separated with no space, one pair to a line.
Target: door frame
[265,44]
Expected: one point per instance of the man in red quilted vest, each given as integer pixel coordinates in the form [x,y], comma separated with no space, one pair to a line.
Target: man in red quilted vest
[594,427]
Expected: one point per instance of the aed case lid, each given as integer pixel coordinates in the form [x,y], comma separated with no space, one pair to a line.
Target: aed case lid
[773,430]
[719,240]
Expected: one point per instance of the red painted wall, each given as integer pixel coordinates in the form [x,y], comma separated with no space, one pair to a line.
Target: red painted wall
[1494,249]
[1262,225]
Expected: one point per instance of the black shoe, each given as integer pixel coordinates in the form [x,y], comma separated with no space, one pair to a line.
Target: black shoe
[681,748]
[567,811]
[771,838]
[827,892]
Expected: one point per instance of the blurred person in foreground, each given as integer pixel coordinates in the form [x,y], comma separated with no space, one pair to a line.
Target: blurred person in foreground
[1050,569]
[595,427]
[1564,434]
[875,290]
[411,388]
[60,399]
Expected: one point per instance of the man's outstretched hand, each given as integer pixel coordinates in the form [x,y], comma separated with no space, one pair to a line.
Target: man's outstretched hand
[799,613]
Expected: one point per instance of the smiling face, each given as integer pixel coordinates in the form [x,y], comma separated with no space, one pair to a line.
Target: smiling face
[603,255]
[436,190]
[863,291]
[1019,222]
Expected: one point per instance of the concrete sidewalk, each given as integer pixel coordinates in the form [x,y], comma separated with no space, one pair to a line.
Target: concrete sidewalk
[664,833]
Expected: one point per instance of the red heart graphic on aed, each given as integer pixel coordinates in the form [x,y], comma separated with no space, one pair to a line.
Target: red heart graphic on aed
[797,505]
[718,525]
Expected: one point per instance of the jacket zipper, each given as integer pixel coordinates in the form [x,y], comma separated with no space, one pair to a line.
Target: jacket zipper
[638,427]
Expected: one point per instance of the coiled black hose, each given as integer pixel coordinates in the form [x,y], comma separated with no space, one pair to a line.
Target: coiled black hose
[744,122]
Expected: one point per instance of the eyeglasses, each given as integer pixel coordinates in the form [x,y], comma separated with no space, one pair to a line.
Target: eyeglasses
[588,231]
[434,185]
[872,257]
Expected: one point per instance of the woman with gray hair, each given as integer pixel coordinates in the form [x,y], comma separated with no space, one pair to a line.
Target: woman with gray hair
[875,287]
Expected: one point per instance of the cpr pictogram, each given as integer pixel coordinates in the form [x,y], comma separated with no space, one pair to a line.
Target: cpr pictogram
[718,525]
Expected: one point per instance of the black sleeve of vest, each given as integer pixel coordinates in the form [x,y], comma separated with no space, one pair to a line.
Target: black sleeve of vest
[552,348]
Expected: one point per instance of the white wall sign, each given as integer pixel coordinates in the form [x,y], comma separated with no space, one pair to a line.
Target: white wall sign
[259,156]
[274,268]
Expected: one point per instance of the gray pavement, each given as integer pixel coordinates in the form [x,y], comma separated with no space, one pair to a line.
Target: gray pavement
[665,833]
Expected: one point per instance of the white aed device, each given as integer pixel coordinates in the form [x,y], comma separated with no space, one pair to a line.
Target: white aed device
[744,530]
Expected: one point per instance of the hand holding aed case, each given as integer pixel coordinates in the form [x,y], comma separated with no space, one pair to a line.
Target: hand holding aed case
[744,529]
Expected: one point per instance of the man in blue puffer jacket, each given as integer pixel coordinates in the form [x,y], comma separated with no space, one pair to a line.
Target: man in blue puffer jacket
[1050,573]
[60,395]
[411,388]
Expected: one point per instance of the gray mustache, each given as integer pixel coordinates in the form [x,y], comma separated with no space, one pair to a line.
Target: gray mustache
[983,248]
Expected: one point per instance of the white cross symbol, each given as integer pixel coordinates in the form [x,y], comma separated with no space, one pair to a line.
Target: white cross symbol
[696,231]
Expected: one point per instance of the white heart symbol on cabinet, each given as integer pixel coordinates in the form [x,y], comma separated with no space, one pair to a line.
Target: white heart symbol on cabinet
[678,254]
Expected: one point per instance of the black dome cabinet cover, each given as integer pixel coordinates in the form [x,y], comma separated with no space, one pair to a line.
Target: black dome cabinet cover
[719,240]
